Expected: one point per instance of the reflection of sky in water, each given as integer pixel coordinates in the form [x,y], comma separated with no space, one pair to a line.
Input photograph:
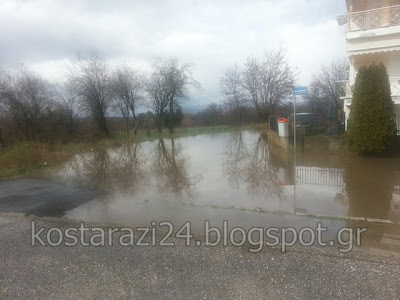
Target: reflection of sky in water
[161,179]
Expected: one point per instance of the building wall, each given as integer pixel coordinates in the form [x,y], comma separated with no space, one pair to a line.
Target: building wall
[381,39]
[393,67]
[368,59]
[373,4]
[360,5]
[391,61]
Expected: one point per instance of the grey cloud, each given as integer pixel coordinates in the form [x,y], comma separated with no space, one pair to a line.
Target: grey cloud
[212,34]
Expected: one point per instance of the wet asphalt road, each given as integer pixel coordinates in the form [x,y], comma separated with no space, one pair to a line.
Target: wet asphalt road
[41,197]
[181,272]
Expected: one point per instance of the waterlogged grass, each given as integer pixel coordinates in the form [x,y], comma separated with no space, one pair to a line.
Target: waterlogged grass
[179,132]
[24,158]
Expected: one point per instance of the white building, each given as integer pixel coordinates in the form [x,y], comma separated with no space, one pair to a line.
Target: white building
[373,35]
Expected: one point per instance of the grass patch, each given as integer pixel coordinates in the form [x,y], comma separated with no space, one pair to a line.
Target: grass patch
[23,158]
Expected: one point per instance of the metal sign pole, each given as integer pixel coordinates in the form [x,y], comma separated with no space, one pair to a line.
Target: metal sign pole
[294,154]
[298,91]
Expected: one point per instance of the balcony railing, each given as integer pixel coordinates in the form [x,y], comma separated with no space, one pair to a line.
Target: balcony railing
[395,93]
[394,89]
[374,18]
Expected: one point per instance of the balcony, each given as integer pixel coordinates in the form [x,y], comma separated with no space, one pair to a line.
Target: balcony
[394,88]
[371,19]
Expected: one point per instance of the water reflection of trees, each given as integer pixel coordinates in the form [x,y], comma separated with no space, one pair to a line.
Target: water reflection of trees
[234,155]
[170,167]
[130,165]
[119,169]
[97,170]
[130,169]
[251,164]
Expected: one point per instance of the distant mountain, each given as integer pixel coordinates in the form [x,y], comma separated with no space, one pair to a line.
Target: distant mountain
[193,108]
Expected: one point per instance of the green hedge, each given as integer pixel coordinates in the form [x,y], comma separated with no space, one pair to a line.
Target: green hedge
[371,127]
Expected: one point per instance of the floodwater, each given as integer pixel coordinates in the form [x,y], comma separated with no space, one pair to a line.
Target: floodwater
[235,176]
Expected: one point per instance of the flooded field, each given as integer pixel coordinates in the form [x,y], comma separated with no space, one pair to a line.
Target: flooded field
[234,176]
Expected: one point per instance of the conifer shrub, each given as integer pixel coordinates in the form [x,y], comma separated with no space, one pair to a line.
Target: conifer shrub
[371,127]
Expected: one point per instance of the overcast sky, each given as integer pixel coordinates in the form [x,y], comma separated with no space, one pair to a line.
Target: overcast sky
[212,34]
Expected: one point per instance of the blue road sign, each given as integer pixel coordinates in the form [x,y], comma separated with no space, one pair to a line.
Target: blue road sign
[301,90]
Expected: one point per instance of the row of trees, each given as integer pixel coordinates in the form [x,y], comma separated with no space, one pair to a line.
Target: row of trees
[266,84]
[96,91]
[99,88]
[263,83]
[35,107]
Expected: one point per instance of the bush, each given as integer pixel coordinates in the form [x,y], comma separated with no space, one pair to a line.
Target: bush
[371,125]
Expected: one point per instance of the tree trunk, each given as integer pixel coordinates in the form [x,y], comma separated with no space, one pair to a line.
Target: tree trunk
[127,125]
[2,145]
[258,110]
[171,116]
[103,125]
[160,119]
[135,120]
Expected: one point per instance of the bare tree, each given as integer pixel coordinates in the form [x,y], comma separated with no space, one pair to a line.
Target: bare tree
[169,84]
[326,88]
[231,86]
[26,98]
[68,101]
[127,88]
[159,97]
[91,78]
[268,81]
[124,109]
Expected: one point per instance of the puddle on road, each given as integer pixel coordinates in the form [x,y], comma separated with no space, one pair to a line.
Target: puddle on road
[228,176]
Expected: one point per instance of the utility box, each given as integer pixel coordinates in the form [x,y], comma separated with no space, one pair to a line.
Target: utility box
[283,127]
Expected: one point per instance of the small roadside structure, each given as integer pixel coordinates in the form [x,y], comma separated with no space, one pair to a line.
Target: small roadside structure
[283,127]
